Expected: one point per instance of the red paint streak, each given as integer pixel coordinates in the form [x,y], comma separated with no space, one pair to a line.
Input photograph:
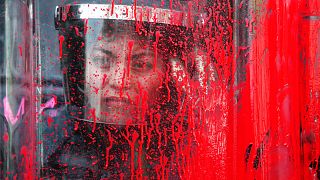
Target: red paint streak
[104,80]
[20,50]
[130,46]
[50,121]
[108,148]
[167,81]
[311,49]
[134,136]
[61,39]
[143,99]
[154,18]
[76,125]
[23,151]
[135,9]
[66,10]
[190,16]
[28,161]
[92,115]
[127,12]
[123,83]
[155,48]
[95,90]
[112,7]
[76,29]
[6,137]
[85,26]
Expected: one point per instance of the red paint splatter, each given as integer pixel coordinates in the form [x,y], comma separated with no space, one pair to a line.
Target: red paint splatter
[66,12]
[92,115]
[6,137]
[104,80]
[167,81]
[108,148]
[61,39]
[76,126]
[135,9]
[20,50]
[155,48]
[85,26]
[50,121]
[130,46]
[122,83]
[257,114]
[76,29]
[112,7]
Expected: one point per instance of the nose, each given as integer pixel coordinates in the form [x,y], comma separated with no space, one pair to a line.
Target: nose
[117,76]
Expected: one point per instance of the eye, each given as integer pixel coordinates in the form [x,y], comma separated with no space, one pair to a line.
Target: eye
[139,65]
[102,61]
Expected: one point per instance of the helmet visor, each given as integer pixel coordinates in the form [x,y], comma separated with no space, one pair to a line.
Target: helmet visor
[116,71]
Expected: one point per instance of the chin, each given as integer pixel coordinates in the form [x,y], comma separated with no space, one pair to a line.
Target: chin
[121,118]
[122,114]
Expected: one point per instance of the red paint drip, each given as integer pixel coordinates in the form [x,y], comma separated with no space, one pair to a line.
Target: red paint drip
[6,137]
[76,29]
[190,16]
[65,13]
[93,116]
[85,26]
[130,46]
[50,121]
[167,81]
[104,80]
[155,48]
[123,82]
[127,12]
[135,9]
[61,39]
[112,7]
[76,125]
[108,148]
[28,161]
[20,50]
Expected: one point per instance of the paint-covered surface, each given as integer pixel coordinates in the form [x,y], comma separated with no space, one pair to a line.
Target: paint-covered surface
[233,94]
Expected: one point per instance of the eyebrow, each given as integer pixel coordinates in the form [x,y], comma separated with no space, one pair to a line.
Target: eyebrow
[107,52]
[141,54]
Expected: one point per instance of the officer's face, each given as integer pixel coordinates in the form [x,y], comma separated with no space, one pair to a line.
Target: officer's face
[124,77]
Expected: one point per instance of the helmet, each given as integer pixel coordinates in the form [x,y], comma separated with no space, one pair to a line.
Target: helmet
[119,60]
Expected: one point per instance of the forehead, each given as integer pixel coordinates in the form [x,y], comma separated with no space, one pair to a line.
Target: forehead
[135,30]
[118,36]
[167,40]
[123,43]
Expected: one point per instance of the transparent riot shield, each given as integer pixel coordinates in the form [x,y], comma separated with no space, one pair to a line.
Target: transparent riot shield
[159,89]
[17,117]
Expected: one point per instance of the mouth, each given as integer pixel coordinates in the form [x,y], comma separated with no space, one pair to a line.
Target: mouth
[116,101]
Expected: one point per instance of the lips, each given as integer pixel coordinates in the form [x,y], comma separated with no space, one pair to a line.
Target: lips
[116,101]
[118,110]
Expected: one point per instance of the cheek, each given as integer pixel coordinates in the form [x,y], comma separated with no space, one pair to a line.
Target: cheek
[150,84]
